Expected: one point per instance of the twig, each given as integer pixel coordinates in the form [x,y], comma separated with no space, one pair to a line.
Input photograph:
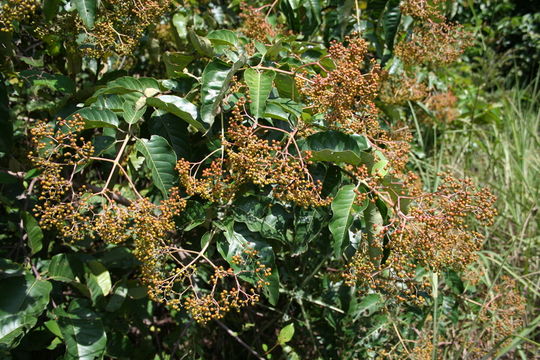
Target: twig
[233,334]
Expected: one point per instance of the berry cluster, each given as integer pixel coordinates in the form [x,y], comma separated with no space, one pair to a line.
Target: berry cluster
[346,93]
[255,25]
[397,90]
[16,11]
[434,44]
[435,234]
[118,26]
[423,9]
[443,105]
[249,158]
[60,153]
[169,270]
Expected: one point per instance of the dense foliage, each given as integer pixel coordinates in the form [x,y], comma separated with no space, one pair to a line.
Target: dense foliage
[237,179]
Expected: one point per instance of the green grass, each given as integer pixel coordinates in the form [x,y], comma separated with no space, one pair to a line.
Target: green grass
[503,154]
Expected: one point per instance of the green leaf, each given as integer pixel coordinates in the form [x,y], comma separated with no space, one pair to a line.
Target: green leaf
[201,44]
[260,86]
[343,209]
[391,20]
[118,297]
[259,215]
[175,63]
[369,305]
[173,129]
[98,280]
[132,89]
[131,114]
[286,87]
[111,102]
[23,300]
[216,78]
[337,147]
[223,37]
[56,82]
[374,228]
[161,160]
[95,118]
[177,106]
[87,11]
[83,333]
[286,334]
[35,235]
[67,267]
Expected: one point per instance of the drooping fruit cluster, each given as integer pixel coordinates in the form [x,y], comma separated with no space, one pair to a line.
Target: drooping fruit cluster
[346,93]
[435,234]
[59,152]
[249,158]
[433,44]
[398,89]
[119,24]
[423,9]
[83,211]
[255,24]
[443,105]
[16,11]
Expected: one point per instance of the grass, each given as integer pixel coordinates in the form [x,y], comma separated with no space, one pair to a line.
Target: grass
[503,153]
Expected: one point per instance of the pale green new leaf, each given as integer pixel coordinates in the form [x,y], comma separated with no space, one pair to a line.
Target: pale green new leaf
[286,334]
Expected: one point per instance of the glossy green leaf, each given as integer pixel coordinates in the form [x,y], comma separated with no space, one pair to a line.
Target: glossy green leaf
[118,297]
[173,129]
[201,44]
[131,88]
[177,106]
[131,114]
[39,79]
[95,118]
[369,305]
[111,102]
[83,333]
[286,86]
[23,300]
[286,334]
[50,8]
[65,267]
[175,63]
[98,279]
[337,147]
[343,209]
[161,160]
[215,81]
[35,235]
[391,20]
[87,11]
[223,37]
[374,228]
[260,86]
[259,215]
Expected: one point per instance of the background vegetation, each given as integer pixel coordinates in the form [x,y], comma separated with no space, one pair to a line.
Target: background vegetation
[199,151]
